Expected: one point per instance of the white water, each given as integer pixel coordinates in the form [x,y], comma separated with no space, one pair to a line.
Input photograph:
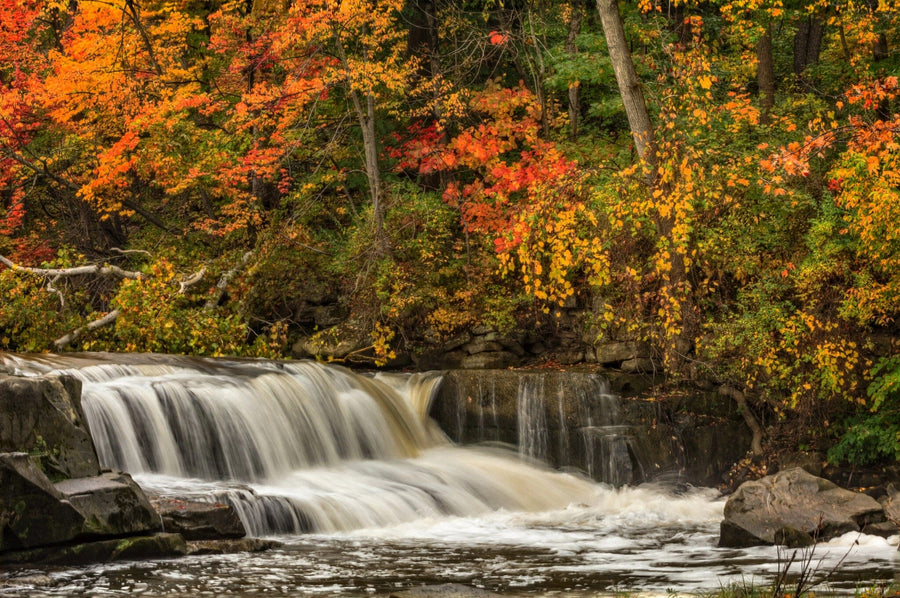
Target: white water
[349,472]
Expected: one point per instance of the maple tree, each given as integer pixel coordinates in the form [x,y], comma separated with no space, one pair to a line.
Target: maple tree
[715,179]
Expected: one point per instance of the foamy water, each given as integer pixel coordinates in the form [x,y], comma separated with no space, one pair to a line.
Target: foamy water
[368,497]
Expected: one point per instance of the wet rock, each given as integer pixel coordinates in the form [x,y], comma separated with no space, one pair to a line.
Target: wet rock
[447,590]
[489,361]
[483,346]
[780,507]
[232,546]
[891,504]
[43,416]
[32,511]
[199,520]
[136,548]
[112,504]
[617,352]
[570,357]
[638,365]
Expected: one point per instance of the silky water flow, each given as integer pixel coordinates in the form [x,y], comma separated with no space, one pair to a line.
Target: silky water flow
[368,495]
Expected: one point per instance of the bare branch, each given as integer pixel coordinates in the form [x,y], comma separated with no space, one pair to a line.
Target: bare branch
[57,292]
[97,269]
[224,280]
[191,280]
[64,341]
[128,251]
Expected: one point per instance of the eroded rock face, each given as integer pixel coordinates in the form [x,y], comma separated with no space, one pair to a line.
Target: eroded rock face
[796,508]
[43,417]
[112,504]
[32,512]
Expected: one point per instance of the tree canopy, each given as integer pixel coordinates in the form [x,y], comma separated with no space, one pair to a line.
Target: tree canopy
[719,179]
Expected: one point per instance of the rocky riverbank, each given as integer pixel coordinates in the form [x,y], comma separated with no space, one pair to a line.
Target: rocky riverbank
[58,506]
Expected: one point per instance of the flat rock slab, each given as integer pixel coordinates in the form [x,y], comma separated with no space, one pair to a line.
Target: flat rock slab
[112,505]
[232,546]
[157,546]
[199,520]
[796,508]
[447,590]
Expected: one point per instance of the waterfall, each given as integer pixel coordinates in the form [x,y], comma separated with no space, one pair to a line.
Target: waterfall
[567,419]
[294,447]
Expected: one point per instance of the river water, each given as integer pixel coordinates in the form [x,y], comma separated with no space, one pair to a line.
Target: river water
[367,496]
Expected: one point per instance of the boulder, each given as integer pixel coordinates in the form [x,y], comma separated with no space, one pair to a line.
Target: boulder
[199,520]
[794,507]
[617,352]
[112,504]
[43,416]
[32,511]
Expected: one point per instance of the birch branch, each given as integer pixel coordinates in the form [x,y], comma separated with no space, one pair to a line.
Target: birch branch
[64,341]
[96,269]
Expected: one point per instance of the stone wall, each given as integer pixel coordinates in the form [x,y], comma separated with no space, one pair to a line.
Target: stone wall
[612,429]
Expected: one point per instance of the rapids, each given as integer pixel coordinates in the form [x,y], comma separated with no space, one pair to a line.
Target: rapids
[368,495]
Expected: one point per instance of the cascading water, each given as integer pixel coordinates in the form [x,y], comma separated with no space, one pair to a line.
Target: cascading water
[568,420]
[369,496]
[294,447]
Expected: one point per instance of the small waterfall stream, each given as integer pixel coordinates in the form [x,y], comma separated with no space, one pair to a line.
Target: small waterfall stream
[370,496]
[294,447]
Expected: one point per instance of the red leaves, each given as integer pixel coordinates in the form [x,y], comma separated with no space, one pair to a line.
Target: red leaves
[496,38]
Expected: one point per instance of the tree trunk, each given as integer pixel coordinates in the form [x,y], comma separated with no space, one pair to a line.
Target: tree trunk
[572,50]
[364,107]
[807,43]
[675,285]
[765,75]
[629,86]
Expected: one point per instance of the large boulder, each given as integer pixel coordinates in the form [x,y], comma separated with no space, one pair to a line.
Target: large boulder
[43,416]
[112,504]
[199,520]
[32,511]
[796,508]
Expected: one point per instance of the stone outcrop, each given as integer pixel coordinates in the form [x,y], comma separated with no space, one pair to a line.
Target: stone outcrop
[57,507]
[199,520]
[573,419]
[112,504]
[796,508]
[43,417]
[155,546]
[32,512]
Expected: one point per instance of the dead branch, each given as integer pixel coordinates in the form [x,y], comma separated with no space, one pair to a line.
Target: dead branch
[224,280]
[64,341]
[96,269]
[191,280]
